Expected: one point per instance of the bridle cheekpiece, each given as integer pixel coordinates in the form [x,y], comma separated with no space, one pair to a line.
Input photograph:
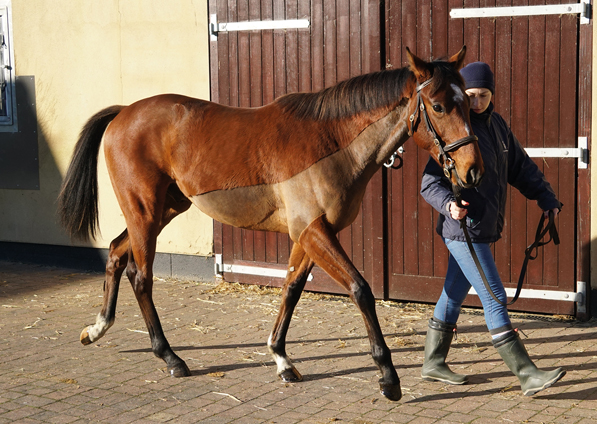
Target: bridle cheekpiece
[443,148]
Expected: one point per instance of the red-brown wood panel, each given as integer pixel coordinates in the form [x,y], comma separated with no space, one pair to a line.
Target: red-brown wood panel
[534,61]
[253,68]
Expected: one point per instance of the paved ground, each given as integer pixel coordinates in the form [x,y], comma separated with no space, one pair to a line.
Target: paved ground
[47,376]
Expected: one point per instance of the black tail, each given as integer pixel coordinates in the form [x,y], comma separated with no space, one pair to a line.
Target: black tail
[77,201]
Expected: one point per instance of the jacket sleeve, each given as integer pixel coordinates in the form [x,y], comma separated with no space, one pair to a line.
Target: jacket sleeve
[525,175]
[435,188]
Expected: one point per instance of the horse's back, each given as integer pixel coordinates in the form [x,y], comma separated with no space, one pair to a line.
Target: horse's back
[206,146]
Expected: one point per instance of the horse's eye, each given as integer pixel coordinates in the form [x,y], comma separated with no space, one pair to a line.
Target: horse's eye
[438,108]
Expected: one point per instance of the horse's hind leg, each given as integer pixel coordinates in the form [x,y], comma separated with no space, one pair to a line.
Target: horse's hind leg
[143,232]
[299,267]
[117,260]
[118,257]
[321,244]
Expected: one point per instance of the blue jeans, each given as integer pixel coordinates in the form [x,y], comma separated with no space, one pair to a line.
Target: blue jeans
[462,273]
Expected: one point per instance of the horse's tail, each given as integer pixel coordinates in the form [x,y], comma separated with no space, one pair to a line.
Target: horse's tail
[77,201]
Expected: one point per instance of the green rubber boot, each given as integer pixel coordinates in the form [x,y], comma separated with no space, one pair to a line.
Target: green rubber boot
[437,344]
[514,354]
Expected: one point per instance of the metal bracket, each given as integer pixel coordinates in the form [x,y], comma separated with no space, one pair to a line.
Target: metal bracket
[583,8]
[579,296]
[220,268]
[581,305]
[218,265]
[581,152]
[216,27]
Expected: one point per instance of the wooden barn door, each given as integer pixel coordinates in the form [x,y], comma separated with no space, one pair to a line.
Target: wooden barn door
[542,68]
[315,44]
[542,71]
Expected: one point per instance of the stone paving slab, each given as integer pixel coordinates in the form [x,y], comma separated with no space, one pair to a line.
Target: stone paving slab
[220,330]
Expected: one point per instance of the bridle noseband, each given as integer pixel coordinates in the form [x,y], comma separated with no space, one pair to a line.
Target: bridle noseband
[443,148]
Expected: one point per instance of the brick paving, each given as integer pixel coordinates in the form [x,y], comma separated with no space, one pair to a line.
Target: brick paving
[48,376]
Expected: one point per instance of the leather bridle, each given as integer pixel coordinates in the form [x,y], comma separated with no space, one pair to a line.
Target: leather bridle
[443,148]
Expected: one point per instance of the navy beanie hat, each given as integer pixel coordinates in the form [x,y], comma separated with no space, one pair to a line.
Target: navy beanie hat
[478,75]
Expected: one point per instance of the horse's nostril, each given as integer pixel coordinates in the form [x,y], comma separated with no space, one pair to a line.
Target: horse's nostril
[473,176]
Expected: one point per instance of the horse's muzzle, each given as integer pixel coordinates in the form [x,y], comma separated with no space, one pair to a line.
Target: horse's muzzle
[473,177]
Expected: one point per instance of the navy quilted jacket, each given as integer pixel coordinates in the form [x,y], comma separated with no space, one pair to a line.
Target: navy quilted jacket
[505,162]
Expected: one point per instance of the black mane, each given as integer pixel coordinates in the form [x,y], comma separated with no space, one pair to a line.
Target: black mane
[360,94]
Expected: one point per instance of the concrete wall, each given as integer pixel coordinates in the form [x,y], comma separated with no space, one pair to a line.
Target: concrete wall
[86,55]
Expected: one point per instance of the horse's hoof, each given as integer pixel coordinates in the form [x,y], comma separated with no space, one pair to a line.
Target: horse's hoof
[180,370]
[291,376]
[391,391]
[85,337]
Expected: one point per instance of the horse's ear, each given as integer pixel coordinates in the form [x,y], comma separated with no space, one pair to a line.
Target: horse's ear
[420,68]
[458,59]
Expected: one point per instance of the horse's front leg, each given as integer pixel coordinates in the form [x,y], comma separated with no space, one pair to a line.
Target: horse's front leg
[117,260]
[321,244]
[299,267]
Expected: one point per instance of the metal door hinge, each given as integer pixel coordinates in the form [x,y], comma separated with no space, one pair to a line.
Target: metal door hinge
[581,152]
[579,296]
[583,8]
[216,27]
[220,268]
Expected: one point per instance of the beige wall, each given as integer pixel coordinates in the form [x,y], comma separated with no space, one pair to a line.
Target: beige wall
[86,55]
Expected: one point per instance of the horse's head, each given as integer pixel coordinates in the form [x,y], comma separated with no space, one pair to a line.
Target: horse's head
[439,118]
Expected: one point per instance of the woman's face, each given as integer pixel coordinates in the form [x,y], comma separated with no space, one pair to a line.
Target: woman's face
[480,99]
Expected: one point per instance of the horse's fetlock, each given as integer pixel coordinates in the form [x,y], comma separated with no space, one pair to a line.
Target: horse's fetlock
[160,348]
[380,354]
[276,346]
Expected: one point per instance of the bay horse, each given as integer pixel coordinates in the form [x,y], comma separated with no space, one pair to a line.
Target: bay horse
[299,165]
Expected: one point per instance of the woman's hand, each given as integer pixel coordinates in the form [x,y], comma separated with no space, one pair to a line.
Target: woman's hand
[457,212]
[554,210]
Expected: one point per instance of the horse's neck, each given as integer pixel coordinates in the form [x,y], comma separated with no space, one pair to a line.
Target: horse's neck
[374,143]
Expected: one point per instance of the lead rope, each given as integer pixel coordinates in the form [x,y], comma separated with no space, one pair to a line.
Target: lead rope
[528,253]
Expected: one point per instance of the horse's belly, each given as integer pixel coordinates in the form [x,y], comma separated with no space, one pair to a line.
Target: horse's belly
[253,208]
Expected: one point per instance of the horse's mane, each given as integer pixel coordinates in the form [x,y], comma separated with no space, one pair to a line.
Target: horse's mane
[359,94]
